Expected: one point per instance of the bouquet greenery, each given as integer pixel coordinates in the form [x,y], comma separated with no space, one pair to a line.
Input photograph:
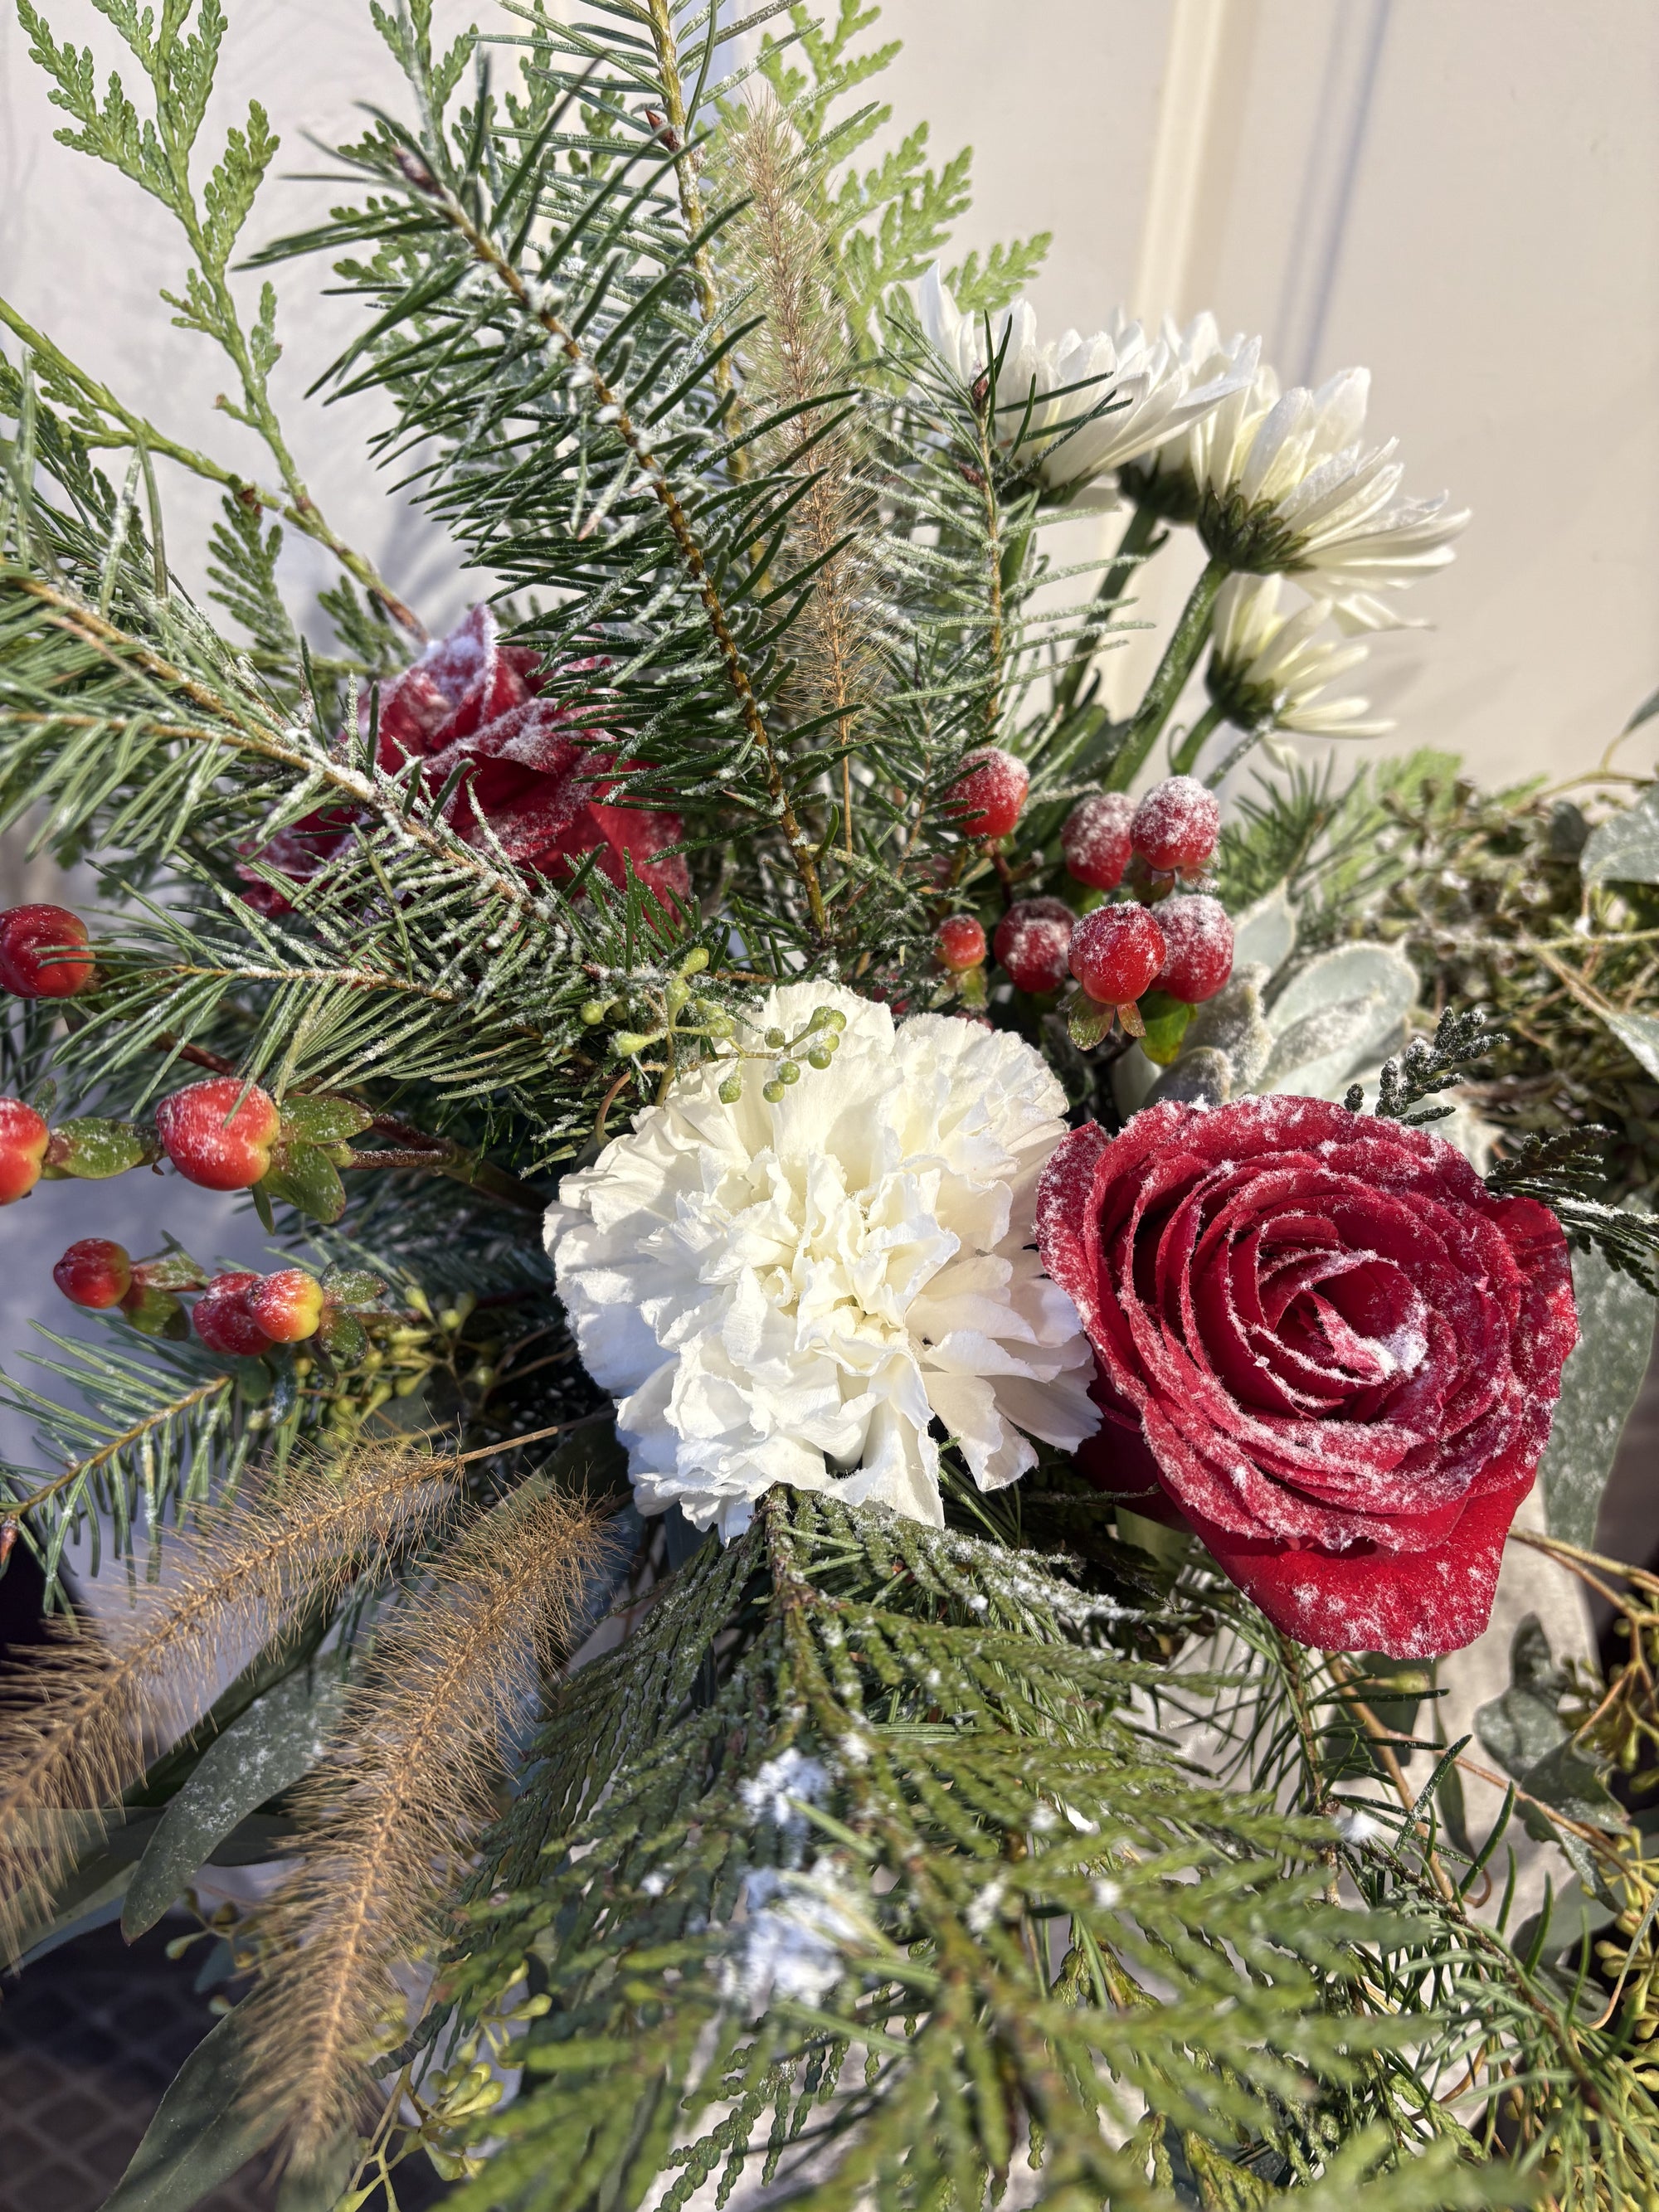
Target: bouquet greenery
[828,1584]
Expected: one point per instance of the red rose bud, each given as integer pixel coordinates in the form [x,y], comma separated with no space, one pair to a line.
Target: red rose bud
[1033,943]
[1325,1344]
[223,1320]
[1116,953]
[94,1273]
[1199,939]
[1176,826]
[23,1140]
[988,795]
[33,942]
[288,1306]
[1095,839]
[213,1141]
[960,944]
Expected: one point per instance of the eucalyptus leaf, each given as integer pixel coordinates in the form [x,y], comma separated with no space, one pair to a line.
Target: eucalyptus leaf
[206,2128]
[1639,1035]
[1336,1013]
[1570,1782]
[1265,932]
[1625,848]
[1599,1386]
[1524,1725]
[279,1738]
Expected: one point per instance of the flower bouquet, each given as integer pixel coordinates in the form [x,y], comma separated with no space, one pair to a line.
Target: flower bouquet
[828,1584]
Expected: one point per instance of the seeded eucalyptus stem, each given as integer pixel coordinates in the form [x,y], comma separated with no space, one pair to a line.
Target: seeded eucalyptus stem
[1180,659]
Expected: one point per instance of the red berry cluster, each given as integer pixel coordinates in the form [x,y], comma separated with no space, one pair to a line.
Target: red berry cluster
[1176,941]
[238,1312]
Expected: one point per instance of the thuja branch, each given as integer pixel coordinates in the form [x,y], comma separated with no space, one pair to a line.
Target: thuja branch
[486,252]
[123,428]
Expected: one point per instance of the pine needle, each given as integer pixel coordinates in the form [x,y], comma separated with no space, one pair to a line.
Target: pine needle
[87,1717]
[395,1814]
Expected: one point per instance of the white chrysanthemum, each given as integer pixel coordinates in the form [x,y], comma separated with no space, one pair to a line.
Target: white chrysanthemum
[1144,385]
[1269,666]
[797,1293]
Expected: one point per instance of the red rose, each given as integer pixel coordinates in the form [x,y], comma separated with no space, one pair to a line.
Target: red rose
[1327,1344]
[532,770]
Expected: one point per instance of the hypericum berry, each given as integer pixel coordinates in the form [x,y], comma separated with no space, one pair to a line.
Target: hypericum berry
[212,1140]
[223,1320]
[1176,826]
[1034,942]
[988,794]
[287,1305]
[94,1273]
[23,1140]
[1095,839]
[960,944]
[33,942]
[1199,939]
[1116,953]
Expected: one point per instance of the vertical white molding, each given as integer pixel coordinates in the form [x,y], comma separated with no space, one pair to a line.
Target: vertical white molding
[1181,149]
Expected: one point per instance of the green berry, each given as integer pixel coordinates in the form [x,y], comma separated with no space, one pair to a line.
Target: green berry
[828,1017]
[820,1056]
[772,1092]
[593,1012]
[677,995]
[731,1090]
[776,1039]
[695,961]
[628,1042]
[788,1070]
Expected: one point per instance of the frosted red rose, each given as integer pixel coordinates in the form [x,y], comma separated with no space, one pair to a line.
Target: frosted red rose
[1326,1345]
[531,769]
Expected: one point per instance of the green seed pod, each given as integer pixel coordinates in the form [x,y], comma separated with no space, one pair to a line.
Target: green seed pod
[627,1042]
[695,961]
[593,1012]
[819,1056]
[677,995]
[788,1070]
[776,1039]
[828,1017]
[772,1092]
[731,1090]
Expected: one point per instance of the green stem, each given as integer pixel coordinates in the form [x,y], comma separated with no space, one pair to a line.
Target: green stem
[1180,659]
[1184,758]
[1140,540]
[123,428]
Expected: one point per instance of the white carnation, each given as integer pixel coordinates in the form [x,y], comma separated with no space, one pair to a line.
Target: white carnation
[797,1293]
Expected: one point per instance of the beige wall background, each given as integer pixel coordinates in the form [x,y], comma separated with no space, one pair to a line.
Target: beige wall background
[1459,193]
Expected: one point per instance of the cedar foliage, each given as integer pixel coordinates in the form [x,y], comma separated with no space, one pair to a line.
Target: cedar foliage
[872,1863]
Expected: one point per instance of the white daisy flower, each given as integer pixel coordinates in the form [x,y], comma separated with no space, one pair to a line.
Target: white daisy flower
[1269,666]
[800,1292]
[1145,386]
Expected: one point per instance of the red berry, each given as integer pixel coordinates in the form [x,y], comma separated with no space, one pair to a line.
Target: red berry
[23,1140]
[94,1273]
[33,942]
[1177,824]
[986,798]
[1033,941]
[1116,953]
[1201,941]
[1095,839]
[960,944]
[212,1140]
[222,1318]
[287,1305]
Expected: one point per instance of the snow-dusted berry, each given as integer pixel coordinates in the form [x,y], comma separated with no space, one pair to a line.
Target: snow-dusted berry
[1199,939]
[960,944]
[94,1273]
[213,1140]
[1116,953]
[1033,943]
[988,795]
[223,1319]
[23,1140]
[1176,826]
[38,949]
[287,1305]
[1095,839]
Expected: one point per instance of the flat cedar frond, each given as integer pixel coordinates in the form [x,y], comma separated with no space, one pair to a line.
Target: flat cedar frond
[389,1819]
[94,1704]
